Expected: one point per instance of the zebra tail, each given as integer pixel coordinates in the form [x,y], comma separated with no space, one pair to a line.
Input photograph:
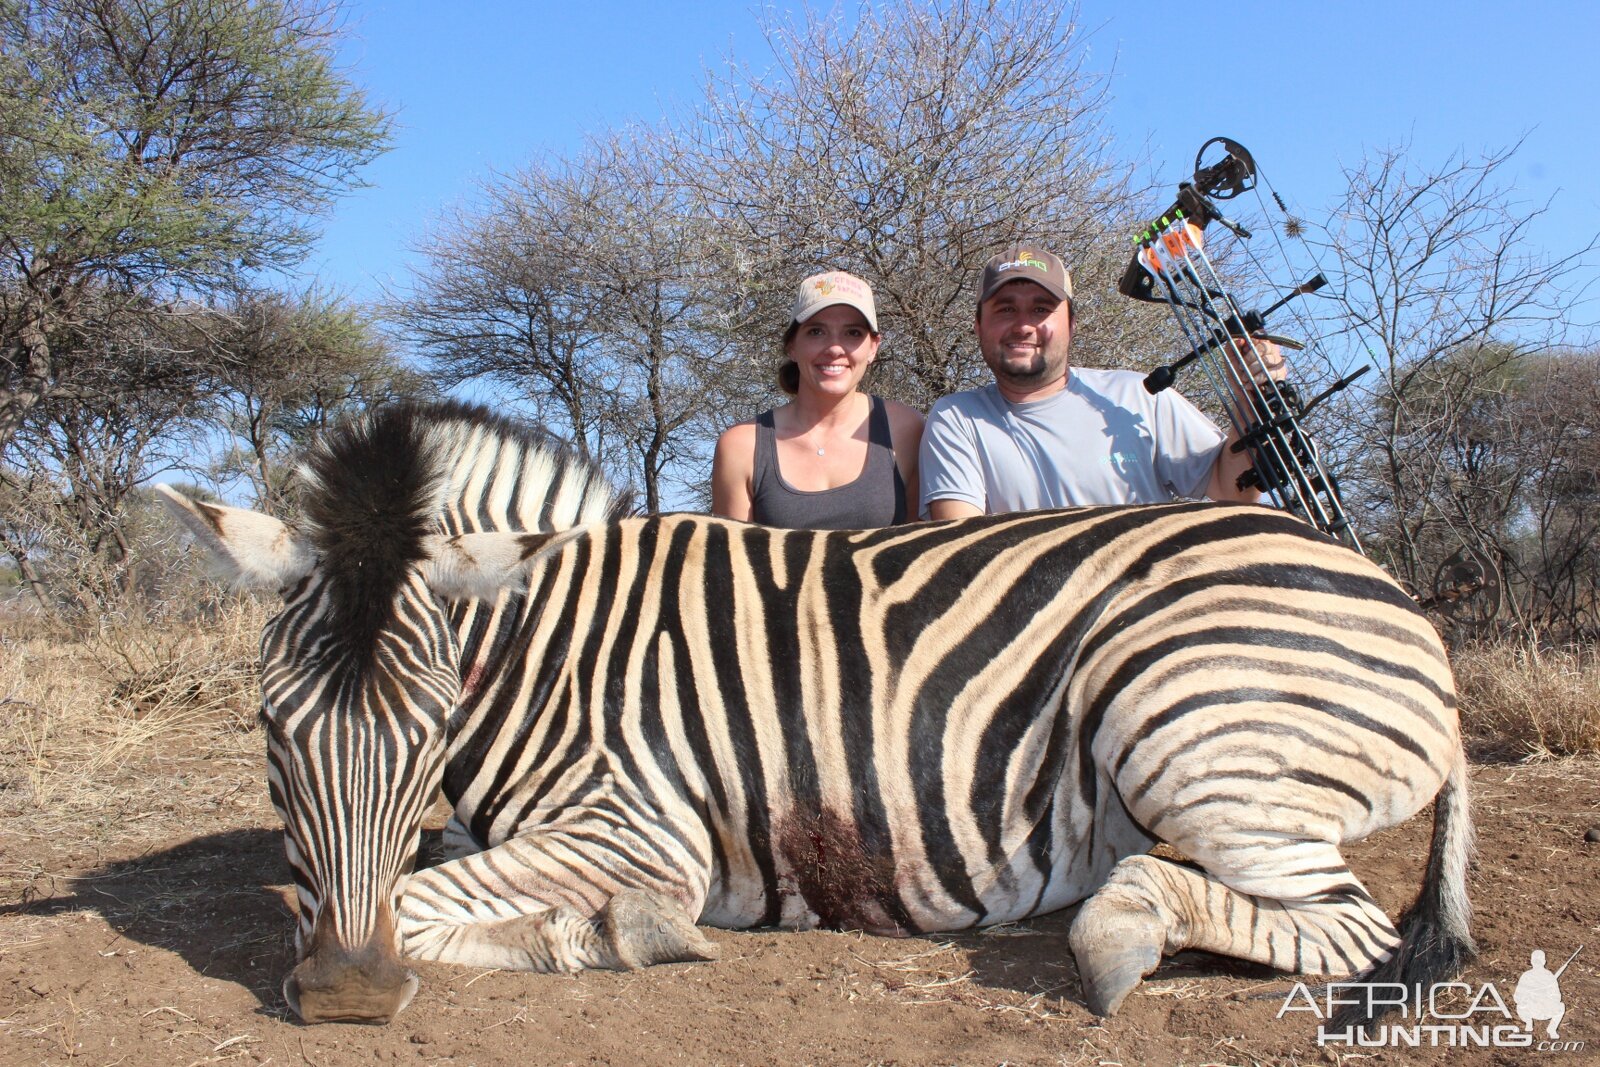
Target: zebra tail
[1435,937]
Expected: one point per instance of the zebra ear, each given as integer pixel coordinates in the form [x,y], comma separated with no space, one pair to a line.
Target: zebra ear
[479,566]
[249,549]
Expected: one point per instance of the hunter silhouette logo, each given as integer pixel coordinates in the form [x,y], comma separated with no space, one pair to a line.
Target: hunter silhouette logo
[1538,993]
[1444,1015]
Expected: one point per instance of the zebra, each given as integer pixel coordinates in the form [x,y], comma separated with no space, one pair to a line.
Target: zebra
[643,724]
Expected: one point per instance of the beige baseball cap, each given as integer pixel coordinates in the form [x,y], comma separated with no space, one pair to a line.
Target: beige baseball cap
[1028,263]
[834,287]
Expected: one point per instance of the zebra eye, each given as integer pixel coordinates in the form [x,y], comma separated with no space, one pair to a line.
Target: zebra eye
[269,723]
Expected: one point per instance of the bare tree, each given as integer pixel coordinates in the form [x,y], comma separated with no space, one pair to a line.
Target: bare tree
[908,147]
[154,146]
[659,304]
[500,299]
[584,287]
[1438,284]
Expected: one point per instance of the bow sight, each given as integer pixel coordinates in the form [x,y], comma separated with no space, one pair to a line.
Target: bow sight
[1170,266]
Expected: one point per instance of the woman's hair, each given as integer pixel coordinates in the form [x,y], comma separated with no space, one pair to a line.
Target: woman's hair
[789,377]
[789,370]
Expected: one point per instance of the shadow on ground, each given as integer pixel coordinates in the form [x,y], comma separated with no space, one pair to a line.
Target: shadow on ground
[222,902]
[1035,957]
[217,901]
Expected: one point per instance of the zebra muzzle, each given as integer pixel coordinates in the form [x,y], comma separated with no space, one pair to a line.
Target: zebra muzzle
[349,1003]
[336,984]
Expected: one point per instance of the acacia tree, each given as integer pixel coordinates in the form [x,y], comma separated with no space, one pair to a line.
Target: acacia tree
[72,466]
[151,390]
[1561,402]
[1439,287]
[286,365]
[156,146]
[1523,459]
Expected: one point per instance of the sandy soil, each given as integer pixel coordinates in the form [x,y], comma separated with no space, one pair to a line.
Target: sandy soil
[150,924]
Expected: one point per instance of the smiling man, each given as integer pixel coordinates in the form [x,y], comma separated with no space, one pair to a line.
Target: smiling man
[1046,434]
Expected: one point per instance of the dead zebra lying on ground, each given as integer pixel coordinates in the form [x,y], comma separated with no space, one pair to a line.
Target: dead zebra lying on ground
[644,723]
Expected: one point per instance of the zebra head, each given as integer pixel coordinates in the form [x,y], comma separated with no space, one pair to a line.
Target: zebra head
[360,673]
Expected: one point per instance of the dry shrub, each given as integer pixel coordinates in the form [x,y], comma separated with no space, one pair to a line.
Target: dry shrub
[1521,699]
[201,667]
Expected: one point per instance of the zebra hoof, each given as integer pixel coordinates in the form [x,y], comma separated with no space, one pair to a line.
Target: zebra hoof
[1114,949]
[642,928]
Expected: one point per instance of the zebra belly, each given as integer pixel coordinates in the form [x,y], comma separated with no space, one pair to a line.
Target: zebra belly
[819,875]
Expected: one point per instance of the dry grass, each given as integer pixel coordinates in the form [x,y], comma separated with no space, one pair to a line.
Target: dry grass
[944,974]
[1526,701]
[85,717]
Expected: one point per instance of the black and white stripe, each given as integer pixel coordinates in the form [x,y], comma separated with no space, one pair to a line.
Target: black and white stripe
[919,728]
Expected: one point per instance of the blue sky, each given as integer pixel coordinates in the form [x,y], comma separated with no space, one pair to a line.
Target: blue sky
[1308,87]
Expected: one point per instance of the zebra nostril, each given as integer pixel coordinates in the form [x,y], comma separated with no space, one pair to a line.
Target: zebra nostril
[291,993]
[335,984]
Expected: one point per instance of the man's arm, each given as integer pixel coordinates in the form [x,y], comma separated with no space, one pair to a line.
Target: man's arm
[949,467]
[1227,470]
[905,434]
[939,510]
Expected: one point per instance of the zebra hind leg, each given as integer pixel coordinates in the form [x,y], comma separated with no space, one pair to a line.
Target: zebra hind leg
[641,928]
[1151,907]
[1117,938]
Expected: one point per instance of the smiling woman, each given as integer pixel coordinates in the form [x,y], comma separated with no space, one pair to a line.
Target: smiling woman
[833,458]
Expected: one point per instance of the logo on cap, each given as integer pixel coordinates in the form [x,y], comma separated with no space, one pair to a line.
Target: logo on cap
[1024,259]
[834,287]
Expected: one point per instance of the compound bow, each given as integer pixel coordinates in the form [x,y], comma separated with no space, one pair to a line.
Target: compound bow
[1170,266]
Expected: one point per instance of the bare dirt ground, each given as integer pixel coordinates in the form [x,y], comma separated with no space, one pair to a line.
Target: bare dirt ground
[148,922]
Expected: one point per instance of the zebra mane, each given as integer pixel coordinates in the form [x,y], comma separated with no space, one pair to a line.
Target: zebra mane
[377,486]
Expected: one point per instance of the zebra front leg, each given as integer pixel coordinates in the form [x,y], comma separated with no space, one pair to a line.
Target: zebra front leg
[554,901]
[1151,907]
[457,840]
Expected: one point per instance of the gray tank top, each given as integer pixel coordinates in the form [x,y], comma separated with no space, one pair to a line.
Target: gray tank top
[877,498]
